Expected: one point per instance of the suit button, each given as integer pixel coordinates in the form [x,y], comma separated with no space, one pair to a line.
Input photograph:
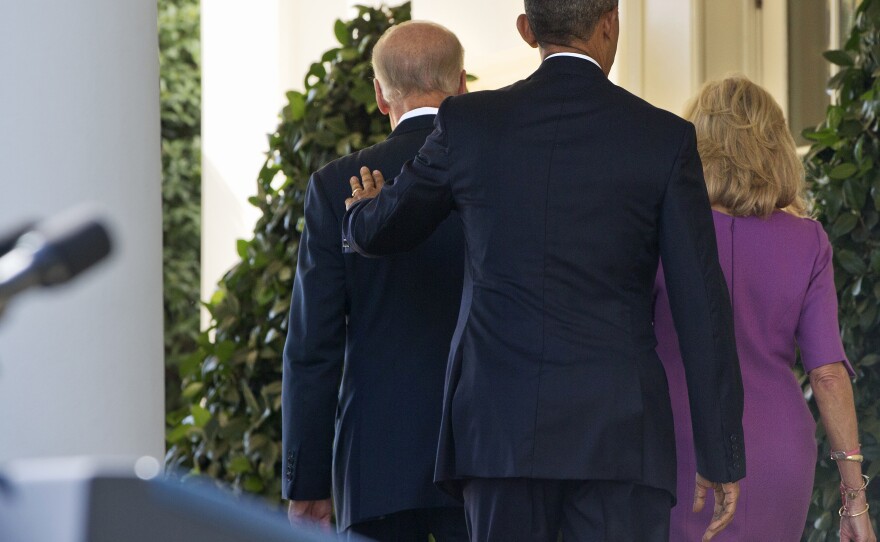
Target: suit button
[734,438]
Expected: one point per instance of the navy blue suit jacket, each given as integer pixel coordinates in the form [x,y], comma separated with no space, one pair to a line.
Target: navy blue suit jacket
[570,189]
[366,352]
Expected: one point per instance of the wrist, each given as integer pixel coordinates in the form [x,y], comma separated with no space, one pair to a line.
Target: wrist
[854,499]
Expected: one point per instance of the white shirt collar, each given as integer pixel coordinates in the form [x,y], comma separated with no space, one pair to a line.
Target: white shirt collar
[417,112]
[575,55]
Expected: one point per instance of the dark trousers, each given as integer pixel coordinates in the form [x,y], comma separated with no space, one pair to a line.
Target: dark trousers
[531,510]
[445,524]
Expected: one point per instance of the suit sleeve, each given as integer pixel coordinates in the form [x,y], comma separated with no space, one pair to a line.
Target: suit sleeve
[703,318]
[410,207]
[314,353]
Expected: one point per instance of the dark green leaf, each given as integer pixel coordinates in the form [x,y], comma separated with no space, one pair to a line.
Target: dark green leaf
[347,54]
[178,433]
[875,260]
[843,171]
[341,31]
[329,55]
[844,224]
[841,58]
[200,415]
[297,104]
[834,116]
[240,465]
[851,263]
[192,390]
[252,484]
[242,247]
[855,191]
[837,80]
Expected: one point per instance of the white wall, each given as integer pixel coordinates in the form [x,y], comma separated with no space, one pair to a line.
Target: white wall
[241,97]
[252,53]
[81,366]
[669,56]
[494,51]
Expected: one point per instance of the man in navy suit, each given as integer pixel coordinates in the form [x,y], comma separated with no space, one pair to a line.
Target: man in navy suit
[368,339]
[557,414]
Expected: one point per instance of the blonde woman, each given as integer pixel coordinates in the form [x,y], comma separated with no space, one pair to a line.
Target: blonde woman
[777,263]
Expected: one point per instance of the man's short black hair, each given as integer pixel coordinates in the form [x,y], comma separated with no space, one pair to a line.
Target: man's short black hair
[560,22]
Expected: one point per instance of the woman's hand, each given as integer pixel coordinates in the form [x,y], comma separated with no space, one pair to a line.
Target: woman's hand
[857,529]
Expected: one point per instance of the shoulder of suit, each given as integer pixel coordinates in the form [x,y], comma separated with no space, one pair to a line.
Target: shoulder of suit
[479,100]
[640,106]
[483,100]
[333,172]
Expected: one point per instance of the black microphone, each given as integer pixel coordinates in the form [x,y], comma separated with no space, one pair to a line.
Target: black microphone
[52,253]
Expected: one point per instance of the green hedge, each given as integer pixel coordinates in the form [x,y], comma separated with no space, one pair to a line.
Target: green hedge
[843,167]
[180,92]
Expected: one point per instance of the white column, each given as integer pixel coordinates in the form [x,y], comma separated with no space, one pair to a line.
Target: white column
[671,52]
[81,366]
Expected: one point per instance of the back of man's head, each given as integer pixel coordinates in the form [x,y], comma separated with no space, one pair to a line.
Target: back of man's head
[417,57]
[563,22]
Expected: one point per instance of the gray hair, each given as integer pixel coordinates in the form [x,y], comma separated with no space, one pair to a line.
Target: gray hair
[560,22]
[417,57]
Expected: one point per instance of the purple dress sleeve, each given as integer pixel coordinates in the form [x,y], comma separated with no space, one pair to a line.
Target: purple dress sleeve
[818,331]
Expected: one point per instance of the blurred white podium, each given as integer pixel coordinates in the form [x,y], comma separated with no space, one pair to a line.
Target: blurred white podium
[117,500]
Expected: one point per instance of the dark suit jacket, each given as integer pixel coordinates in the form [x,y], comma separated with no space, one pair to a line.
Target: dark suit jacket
[388,322]
[569,189]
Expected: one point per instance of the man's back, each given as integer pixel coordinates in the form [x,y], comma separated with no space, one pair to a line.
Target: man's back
[391,319]
[553,372]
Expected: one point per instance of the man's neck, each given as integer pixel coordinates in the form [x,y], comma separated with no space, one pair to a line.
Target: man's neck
[551,49]
[577,48]
[415,102]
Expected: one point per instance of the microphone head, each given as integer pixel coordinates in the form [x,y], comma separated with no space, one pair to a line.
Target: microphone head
[67,245]
[9,239]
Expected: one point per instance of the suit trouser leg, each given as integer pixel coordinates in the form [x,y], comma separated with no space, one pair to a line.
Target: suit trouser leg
[403,526]
[611,511]
[445,524]
[513,509]
[529,510]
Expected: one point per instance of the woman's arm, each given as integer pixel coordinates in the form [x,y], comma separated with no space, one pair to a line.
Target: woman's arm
[833,391]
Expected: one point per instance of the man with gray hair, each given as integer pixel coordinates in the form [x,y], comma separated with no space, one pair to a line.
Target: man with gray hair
[557,415]
[368,339]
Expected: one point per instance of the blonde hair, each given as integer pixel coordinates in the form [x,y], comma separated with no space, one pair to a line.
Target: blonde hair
[749,157]
[417,57]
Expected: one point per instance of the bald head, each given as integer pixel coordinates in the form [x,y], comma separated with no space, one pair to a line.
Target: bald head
[418,58]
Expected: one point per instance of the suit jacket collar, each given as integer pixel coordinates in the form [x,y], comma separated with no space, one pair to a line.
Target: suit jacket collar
[567,65]
[422,122]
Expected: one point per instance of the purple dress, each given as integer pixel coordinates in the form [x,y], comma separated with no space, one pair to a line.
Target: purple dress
[781,284]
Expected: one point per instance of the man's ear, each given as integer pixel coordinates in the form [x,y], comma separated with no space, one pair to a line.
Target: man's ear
[462,82]
[525,30]
[610,22]
[384,106]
